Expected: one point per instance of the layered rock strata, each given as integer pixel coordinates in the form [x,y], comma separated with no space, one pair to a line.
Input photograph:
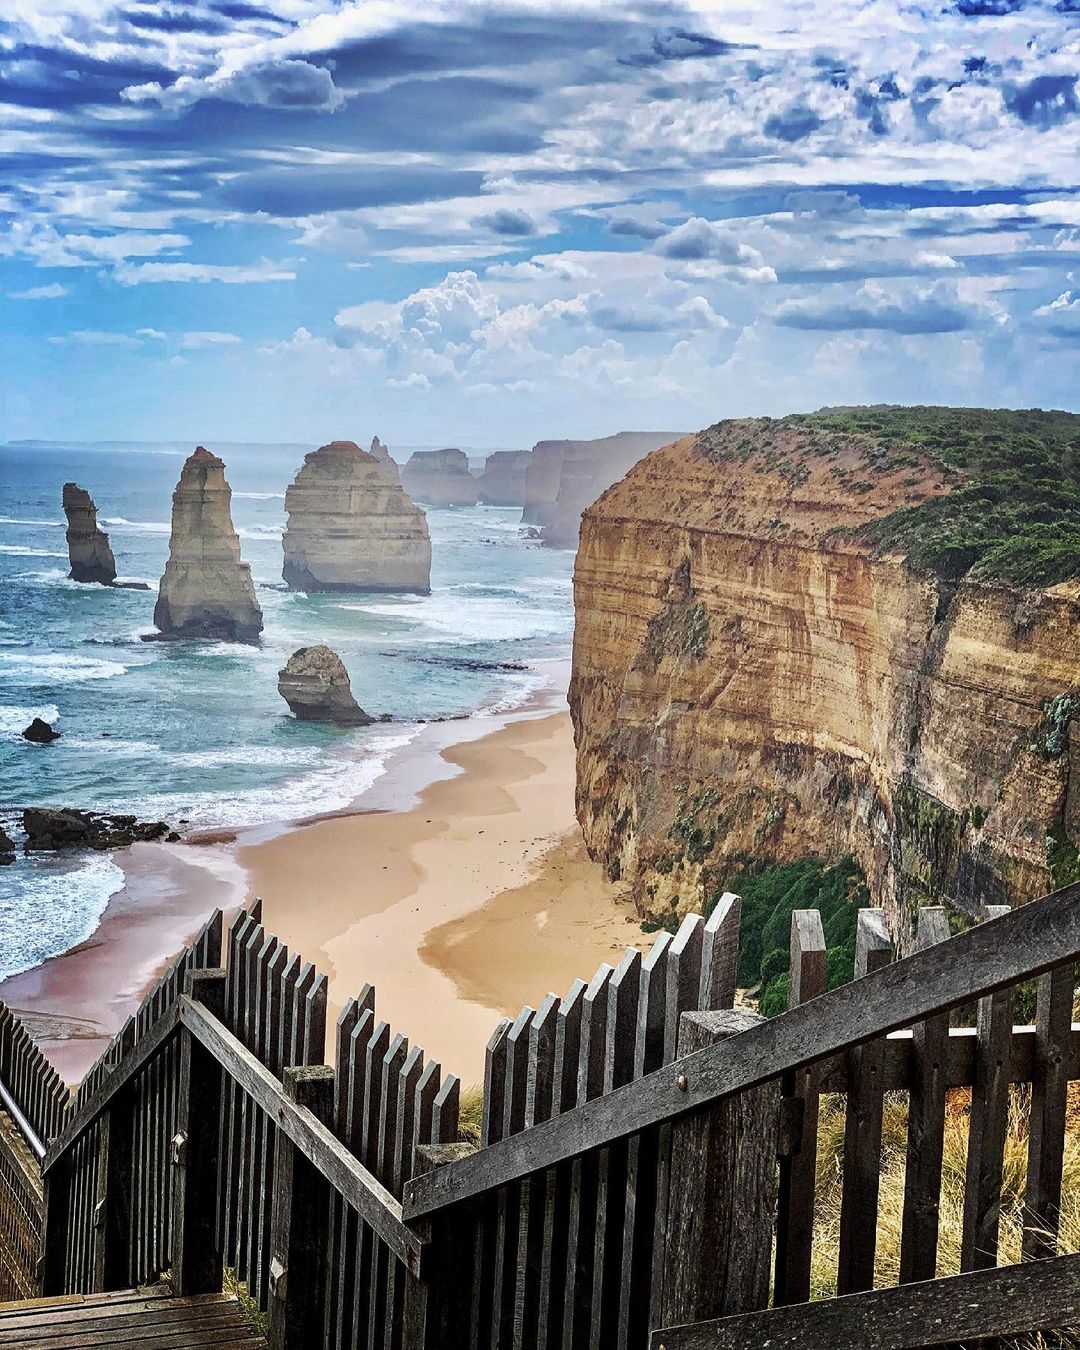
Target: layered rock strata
[89,554]
[440,478]
[381,455]
[754,678]
[350,528]
[315,685]
[503,481]
[206,591]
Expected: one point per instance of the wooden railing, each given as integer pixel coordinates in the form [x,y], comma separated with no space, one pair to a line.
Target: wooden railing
[641,1140]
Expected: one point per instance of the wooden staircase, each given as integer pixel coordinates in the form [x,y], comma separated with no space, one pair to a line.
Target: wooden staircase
[142,1319]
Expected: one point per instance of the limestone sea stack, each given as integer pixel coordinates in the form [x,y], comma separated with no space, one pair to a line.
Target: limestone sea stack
[350,528]
[89,553]
[503,481]
[389,466]
[206,591]
[440,478]
[589,468]
[315,685]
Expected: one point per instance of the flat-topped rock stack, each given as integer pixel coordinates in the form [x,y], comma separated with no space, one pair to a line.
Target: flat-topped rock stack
[206,591]
[351,528]
[89,553]
[503,481]
[389,466]
[440,478]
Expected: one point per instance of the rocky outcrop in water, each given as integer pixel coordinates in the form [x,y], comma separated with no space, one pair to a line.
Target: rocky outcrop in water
[7,848]
[41,733]
[89,554]
[350,528]
[440,478]
[48,830]
[381,455]
[315,685]
[503,481]
[774,658]
[206,591]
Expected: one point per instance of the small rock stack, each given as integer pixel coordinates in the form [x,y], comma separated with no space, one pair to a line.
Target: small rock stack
[206,591]
[315,685]
[89,553]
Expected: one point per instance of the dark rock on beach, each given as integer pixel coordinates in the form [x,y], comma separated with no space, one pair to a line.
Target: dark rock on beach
[41,733]
[48,829]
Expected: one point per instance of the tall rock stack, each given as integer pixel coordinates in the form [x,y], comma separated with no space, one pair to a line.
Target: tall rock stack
[389,466]
[440,478]
[89,553]
[206,591]
[351,528]
[503,480]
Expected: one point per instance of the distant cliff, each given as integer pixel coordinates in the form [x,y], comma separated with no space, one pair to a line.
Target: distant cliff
[440,478]
[856,632]
[503,481]
[564,477]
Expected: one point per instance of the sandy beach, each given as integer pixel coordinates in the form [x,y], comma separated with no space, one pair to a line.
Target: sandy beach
[459,887]
[474,901]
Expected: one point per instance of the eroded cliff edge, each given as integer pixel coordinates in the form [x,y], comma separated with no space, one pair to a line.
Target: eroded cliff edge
[794,640]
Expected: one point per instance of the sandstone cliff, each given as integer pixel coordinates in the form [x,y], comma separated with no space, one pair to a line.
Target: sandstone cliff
[206,591]
[440,478]
[761,670]
[315,685]
[89,553]
[542,481]
[351,528]
[503,481]
[381,455]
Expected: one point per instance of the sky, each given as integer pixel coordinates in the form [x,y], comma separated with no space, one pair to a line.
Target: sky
[487,224]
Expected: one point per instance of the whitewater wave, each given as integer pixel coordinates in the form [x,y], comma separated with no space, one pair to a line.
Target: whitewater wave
[261,531]
[50,906]
[13,718]
[23,520]
[58,668]
[122,523]
[23,551]
[448,616]
[260,496]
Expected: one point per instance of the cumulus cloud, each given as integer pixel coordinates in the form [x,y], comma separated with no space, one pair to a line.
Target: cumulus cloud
[507,222]
[289,85]
[1061,317]
[698,240]
[937,309]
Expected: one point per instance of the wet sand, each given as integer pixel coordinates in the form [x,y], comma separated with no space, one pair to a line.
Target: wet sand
[477,899]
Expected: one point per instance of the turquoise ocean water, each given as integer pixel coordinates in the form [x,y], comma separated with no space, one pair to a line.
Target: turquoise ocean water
[197,731]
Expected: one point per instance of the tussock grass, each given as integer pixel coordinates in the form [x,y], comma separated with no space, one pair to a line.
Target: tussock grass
[471,1114]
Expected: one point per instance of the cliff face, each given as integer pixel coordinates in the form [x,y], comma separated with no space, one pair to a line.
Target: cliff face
[542,481]
[503,481]
[753,676]
[89,553]
[351,528]
[206,591]
[440,478]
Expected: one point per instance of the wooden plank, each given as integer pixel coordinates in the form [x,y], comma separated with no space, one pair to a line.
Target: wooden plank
[301,1211]
[798,1167]
[623,994]
[1023,943]
[926,1124]
[720,953]
[1007,1301]
[491,1126]
[549,1318]
[723,1183]
[516,1079]
[328,1155]
[379,1305]
[862,1127]
[1049,1105]
[988,1120]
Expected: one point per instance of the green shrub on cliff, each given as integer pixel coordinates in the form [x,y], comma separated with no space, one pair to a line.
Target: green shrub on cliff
[1013,514]
[770,894]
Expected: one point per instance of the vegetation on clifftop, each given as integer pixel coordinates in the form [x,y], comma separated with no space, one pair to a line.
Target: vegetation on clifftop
[1014,512]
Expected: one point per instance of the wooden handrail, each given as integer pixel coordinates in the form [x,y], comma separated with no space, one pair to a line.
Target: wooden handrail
[999,953]
[353,1182]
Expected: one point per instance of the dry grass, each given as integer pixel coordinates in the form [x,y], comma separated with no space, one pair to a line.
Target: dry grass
[954,1162]
[471,1114]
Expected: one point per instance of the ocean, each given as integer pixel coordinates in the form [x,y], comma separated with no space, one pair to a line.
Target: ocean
[197,732]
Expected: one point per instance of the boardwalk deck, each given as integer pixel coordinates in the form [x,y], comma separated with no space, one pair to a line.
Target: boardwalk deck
[145,1319]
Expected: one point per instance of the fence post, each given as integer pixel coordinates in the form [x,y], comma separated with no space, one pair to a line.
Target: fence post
[196,1253]
[300,1220]
[54,1228]
[438,1298]
[112,1201]
[722,1192]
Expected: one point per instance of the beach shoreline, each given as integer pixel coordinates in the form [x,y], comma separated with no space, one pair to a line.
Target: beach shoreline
[474,770]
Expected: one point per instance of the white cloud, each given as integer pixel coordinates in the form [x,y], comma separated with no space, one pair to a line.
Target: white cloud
[191,340]
[53,291]
[94,337]
[137,274]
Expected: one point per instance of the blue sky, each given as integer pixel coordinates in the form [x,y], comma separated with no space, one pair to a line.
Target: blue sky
[491,223]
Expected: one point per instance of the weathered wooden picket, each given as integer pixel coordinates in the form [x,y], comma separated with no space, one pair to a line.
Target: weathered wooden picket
[646,1171]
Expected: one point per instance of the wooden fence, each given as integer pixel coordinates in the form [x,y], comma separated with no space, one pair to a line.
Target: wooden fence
[647,1166]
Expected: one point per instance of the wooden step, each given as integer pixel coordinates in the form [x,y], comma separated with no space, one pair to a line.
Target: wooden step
[144,1319]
